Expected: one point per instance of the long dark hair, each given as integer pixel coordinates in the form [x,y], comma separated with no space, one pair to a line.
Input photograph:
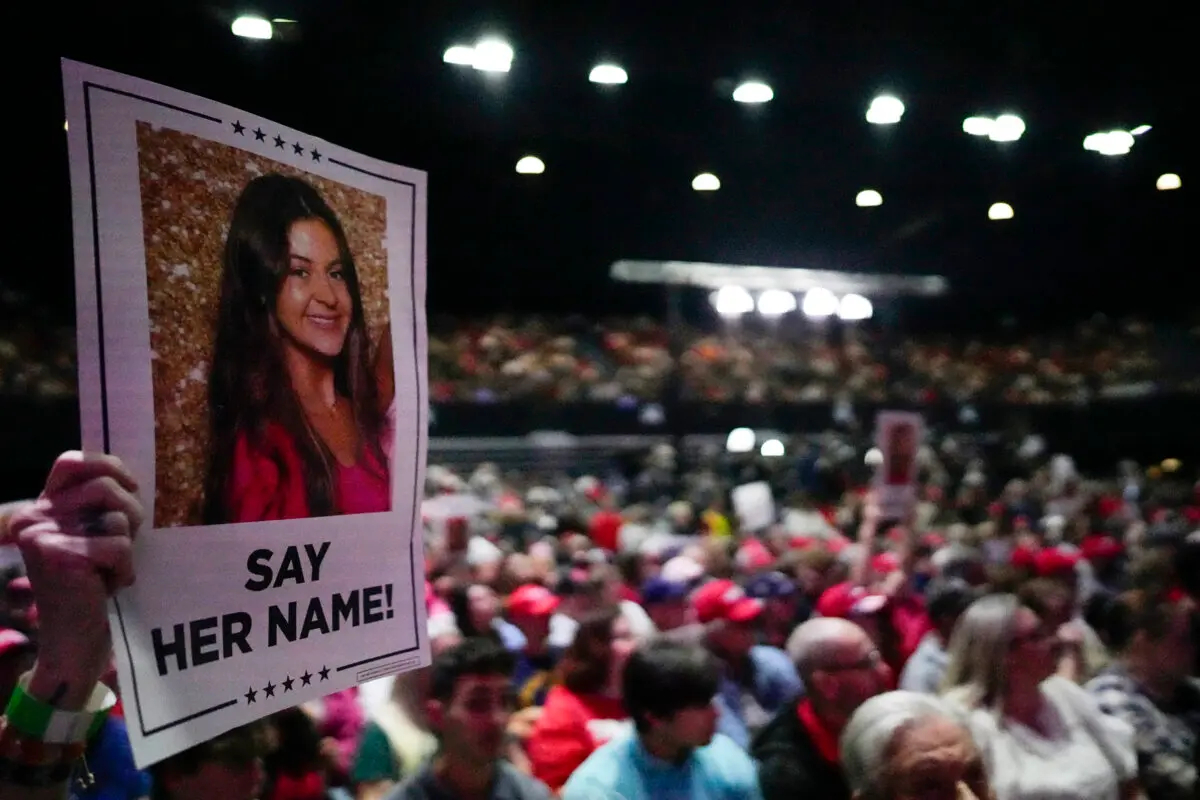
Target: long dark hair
[249,386]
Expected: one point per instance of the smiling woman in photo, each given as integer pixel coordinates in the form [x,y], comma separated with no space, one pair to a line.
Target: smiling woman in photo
[296,409]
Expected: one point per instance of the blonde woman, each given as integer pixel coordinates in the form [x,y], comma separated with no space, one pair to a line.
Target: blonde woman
[1041,736]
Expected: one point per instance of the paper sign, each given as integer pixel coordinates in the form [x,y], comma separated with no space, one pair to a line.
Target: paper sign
[898,435]
[754,506]
[251,320]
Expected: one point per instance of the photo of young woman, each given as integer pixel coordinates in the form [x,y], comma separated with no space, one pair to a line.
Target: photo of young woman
[298,403]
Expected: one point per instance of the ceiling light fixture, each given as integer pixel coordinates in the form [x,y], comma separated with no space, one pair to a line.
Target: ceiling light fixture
[732,301]
[740,440]
[771,448]
[868,198]
[1000,211]
[753,92]
[776,302]
[488,55]
[819,303]
[460,55]
[1167,182]
[492,55]
[249,27]
[1109,143]
[1006,128]
[978,126]
[531,165]
[608,74]
[854,308]
[885,110]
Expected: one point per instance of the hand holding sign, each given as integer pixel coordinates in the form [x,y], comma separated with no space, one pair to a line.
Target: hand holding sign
[76,541]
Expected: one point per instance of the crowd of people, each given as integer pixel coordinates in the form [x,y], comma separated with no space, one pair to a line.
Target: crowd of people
[507,359]
[504,359]
[37,357]
[638,636]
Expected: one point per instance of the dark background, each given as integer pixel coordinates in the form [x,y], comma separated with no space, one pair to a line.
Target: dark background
[1090,232]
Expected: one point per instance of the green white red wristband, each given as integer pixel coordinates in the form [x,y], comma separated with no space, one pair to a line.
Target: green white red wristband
[34,719]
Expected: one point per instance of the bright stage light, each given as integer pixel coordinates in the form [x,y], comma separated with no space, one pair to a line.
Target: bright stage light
[753,92]
[1167,182]
[1109,143]
[854,307]
[868,198]
[252,28]
[732,301]
[771,448]
[885,110]
[459,54]
[608,73]
[819,303]
[740,440]
[1000,211]
[531,165]
[492,55]
[978,126]
[1007,128]
[488,55]
[776,303]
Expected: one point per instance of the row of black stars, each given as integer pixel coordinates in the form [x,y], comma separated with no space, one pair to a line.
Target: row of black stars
[287,684]
[261,136]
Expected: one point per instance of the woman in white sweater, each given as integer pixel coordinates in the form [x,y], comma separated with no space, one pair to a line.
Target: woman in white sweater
[1042,737]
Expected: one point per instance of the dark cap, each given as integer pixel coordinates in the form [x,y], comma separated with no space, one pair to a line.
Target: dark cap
[948,597]
[660,590]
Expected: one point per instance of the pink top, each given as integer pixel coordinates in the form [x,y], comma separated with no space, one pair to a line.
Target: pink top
[267,482]
[343,722]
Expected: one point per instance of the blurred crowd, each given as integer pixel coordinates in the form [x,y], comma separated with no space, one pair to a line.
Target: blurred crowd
[624,361]
[1025,631]
[507,359]
[37,357]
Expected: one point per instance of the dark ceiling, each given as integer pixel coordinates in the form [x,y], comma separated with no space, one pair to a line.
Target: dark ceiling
[1090,232]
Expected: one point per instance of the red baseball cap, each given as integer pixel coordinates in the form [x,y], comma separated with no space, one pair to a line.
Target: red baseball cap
[1100,545]
[885,562]
[934,540]
[1108,506]
[753,555]
[836,544]
[724,599]
[846,600]
[1024,557]
[1055,561]
[532,600]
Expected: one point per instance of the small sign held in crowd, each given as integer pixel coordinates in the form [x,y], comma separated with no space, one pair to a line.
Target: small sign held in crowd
[899,436]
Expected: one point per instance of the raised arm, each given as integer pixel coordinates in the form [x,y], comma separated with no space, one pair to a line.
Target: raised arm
[76,540]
